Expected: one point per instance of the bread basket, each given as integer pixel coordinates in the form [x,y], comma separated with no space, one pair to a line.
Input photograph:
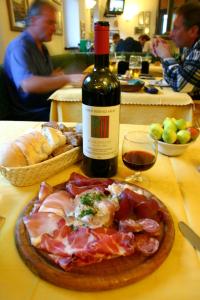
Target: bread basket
[28,175]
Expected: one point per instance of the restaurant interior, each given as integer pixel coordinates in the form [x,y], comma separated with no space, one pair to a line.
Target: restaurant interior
[143,240]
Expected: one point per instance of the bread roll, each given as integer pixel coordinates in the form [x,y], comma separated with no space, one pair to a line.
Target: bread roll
[12,156]
[54,137]
[31,148]
[34,146]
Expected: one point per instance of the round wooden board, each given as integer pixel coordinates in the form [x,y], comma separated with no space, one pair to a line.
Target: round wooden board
[106,275]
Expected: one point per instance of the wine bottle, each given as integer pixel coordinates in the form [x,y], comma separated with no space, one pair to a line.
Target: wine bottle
[100,111]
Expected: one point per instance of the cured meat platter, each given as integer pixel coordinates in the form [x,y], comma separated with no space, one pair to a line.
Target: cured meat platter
[108,273]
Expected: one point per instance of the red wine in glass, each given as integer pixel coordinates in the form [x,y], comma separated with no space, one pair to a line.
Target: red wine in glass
[138,160]
[139,153]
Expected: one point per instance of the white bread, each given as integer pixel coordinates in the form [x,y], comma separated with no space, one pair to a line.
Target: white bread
[54,137]
[34,146]
[31,148]
[12,156]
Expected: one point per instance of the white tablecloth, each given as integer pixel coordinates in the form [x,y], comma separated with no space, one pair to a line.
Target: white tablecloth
[136,108]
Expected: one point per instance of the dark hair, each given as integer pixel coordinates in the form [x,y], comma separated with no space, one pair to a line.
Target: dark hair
[190,13]
[116,36]
[144,37]
[131,45]
[36,9]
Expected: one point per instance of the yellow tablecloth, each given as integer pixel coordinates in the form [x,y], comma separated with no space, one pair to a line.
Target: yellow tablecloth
[136,108]
[174,180]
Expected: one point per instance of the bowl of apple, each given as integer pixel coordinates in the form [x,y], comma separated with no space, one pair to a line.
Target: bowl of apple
[174,135]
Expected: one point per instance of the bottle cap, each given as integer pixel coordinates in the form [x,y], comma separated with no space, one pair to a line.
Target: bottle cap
[101,37]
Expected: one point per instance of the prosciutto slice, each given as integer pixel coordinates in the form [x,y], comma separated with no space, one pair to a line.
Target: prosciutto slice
[60,203]
[78,183]
[45,190]
[85,246]
[40,223]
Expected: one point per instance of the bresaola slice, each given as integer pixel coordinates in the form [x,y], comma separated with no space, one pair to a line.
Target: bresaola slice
[131,203]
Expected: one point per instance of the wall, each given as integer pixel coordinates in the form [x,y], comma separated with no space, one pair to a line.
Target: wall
[127,27]
[56,46]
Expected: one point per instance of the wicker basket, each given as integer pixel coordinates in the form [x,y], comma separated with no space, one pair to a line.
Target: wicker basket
[24,176]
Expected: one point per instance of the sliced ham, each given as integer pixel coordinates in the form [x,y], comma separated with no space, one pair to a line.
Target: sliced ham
[78,183]
[80,180]
[86,245]
[45,190]
[76,190]
[41,223]
[60,203]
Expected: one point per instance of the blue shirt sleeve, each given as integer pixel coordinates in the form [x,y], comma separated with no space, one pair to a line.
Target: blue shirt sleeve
[19,66]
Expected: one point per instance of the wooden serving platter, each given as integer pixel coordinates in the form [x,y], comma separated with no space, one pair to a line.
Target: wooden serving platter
[109,274]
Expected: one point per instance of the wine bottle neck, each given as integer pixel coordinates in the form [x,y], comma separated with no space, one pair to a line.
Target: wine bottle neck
[101,61]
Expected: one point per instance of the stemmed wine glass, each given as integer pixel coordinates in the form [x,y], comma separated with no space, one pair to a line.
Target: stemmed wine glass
[139,153]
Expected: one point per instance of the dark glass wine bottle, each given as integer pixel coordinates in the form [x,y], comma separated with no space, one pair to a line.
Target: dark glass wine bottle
[100,111]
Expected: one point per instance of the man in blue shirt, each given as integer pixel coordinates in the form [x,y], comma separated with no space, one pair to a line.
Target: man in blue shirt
[28,68]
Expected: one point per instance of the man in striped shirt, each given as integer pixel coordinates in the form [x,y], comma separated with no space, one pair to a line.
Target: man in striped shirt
[183,74]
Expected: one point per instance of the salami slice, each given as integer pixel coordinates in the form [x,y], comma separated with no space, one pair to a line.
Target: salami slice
[146,244]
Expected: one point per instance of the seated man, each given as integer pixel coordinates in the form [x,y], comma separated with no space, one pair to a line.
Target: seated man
[183,75]
[131,45]
[115,41]
[28,68]
[145,42]
[119,43]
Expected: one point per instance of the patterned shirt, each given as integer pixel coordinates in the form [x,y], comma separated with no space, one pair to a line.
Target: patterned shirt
[184,75]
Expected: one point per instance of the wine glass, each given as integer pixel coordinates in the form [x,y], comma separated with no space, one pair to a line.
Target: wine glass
[135,65]
[139,153]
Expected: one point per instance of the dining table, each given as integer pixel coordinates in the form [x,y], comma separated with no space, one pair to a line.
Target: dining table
[136,107]
[173,180]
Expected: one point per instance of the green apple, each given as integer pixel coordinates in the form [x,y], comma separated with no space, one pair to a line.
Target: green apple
[183,136]
[180,124]
[168,123]
[188,124]
[155,131]
[169,136]
[173,119]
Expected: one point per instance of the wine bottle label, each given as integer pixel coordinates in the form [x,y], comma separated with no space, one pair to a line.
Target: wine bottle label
[100,131]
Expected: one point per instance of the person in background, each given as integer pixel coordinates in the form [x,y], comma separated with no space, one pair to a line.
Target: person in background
[28,68]
[118,43]
[131,45]
[145,42]
[183,74]
[115,40]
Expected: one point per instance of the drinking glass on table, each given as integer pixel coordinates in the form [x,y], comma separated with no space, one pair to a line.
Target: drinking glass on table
[139,153]
[135,65]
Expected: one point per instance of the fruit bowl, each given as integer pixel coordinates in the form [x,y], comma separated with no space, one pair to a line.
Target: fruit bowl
[172,149]
[173,135]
